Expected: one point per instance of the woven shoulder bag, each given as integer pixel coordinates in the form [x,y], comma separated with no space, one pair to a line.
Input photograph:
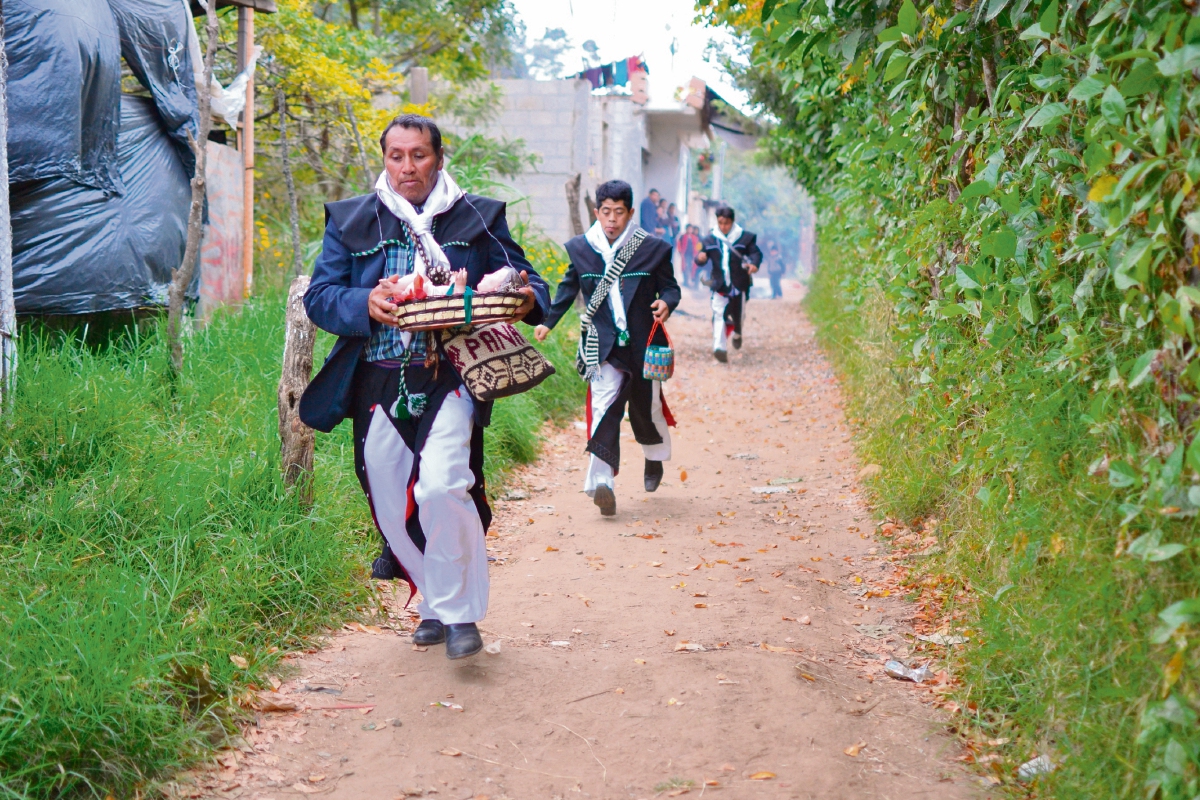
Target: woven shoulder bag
[494,360]
[659,363]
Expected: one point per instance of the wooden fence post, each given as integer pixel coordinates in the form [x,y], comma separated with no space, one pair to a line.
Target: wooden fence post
[573,204]
[296,438]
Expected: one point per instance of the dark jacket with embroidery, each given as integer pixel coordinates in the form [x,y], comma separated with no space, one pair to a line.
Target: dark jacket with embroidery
[743,253]
[648,276]
[474,235]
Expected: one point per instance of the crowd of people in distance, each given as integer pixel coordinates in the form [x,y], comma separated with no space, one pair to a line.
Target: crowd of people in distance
[660,217]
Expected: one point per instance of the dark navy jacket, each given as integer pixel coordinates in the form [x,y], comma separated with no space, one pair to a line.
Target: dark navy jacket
[648,276]
[743,252]
[474,235]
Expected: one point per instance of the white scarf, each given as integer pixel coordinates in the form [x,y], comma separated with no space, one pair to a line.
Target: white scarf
[727,242]
[444,195]
[596,237]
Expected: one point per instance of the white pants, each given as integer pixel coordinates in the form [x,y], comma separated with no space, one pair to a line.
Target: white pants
[452,573]
[719,301]
[604,392]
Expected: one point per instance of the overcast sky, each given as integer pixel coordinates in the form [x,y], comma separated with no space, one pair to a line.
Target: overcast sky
[624,28]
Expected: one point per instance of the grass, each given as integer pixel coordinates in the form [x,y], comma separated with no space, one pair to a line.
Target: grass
[1061,660]
[147,538]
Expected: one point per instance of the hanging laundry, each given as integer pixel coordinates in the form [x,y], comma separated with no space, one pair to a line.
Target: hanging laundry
[621,72]
[617,73]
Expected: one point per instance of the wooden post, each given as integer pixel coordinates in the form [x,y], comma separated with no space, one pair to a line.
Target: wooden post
[245,47]
[8,311]
[573,204]
[296,439]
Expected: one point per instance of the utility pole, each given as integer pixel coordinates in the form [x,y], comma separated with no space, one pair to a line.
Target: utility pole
[8,311]
[245,48]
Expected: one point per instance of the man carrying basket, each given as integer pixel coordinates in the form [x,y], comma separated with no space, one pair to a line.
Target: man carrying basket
[418,431]
[627,278]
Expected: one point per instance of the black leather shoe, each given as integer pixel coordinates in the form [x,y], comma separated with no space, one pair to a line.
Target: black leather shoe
[720,355]
[463,640]
[430,631]
[737,341]
[654,474]
[606,500]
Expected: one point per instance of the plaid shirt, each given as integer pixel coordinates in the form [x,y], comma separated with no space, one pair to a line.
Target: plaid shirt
[387,344]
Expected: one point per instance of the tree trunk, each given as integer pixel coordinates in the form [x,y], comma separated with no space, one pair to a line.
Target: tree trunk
[181,278]
[289,180]
[353,14]
[591,207]
[362,153]
[8,311]
[296,438]
[573,204]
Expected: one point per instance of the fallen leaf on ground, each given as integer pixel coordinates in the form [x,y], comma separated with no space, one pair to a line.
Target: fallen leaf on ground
[682,475]
[814,558]
[239,662]
[639,661]
[451,706]
[711,782]
[358,626]
[855,749]
[869,471]
[655,564]
[315,778]
[773,648]
[690,647]
[674,702]
[670,632]
[420,648]
[550,549]
[450,751]
[805,620]
[527,624]
[304,788]
[699,594]
[762,776]
[700,605]
[270,702]
[618,691]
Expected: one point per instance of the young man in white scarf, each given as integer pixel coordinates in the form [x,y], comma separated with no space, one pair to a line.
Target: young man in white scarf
[418,434]
[628,282]
[735,258]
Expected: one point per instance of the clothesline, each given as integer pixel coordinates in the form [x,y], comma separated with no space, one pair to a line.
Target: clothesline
[615,74]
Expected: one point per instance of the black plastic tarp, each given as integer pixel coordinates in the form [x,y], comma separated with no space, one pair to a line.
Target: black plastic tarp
[98,181]
[78,250]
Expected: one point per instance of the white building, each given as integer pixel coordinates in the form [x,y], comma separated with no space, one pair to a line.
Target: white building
[599,137]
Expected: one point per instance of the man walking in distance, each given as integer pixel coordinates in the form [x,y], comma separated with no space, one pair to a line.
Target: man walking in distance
[418,435]
[775,270]
[649,213]
[628,280]
[735,258]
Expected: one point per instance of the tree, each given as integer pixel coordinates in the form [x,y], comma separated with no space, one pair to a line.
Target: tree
[181,278]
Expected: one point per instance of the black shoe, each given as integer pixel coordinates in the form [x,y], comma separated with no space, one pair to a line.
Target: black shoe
[654,474]
[463,640]
[737,341]
[430,631]
[606,500]
[720,355]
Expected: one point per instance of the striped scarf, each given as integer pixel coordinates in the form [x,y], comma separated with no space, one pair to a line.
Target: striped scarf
[587,358]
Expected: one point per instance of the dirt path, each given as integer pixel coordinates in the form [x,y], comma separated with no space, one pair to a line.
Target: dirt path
[596,690]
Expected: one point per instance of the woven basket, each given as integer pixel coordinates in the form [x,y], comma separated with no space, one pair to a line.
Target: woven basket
[451,311]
